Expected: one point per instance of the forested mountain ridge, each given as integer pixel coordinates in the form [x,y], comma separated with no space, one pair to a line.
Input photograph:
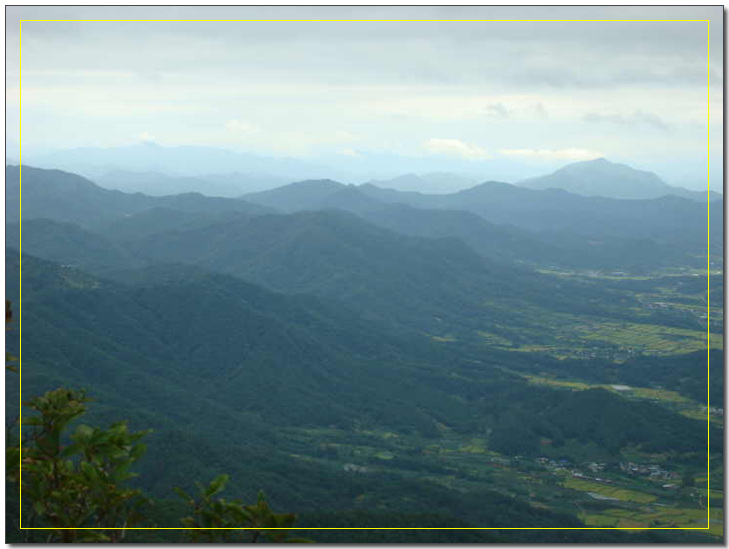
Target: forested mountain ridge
[436,286]
[64,196]
[581,222]
[363,368]
[220,356]
[535,232]
[558,210]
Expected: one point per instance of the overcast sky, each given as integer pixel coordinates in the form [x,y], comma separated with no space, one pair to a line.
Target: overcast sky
[480,92]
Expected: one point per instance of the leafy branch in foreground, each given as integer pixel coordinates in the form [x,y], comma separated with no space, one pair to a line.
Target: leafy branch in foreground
[71,482]
[9,359]
[220,520]
[81,484]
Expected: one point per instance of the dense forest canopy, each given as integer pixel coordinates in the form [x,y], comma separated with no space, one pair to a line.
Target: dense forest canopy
[498,357]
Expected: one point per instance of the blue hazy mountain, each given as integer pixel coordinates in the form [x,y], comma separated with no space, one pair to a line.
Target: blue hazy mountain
[600,177]
[177,161]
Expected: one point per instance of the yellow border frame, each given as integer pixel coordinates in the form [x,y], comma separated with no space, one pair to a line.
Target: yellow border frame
[708,262]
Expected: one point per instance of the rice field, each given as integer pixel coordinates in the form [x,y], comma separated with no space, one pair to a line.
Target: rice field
[609,491]
[566,335]
[657,517]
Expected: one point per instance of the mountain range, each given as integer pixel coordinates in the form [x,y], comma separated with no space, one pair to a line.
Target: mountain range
[232,376]
[497,220]
[357,350]
[175,161]
[161,184]
[155,169]
[521,215]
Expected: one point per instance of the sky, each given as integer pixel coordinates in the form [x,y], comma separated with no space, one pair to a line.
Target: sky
[501,99]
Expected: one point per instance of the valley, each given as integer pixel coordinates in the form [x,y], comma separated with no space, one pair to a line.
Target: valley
[355,360]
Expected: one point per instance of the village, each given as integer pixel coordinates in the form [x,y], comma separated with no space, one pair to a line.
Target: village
[592,470]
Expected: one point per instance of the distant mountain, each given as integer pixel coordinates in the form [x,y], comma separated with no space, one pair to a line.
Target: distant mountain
[63,196]
[71,245]
[601,177]
[317,195]
[411,198]
[301,195]
[160,220]
[509,223]
[161,184]
[669,220]
[431,285]
[435,182]
[498,220]
[178,161]
[512,244]
[337,255]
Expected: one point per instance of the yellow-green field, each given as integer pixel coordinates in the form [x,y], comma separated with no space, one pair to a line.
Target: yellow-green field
[683,405]
[661,395]
[566,335]
[607,490]
[657,517]
[647,338]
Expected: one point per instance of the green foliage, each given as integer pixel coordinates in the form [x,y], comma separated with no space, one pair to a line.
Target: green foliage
[76,486]
[199,356]
[216,520]
[82,483]
[9,359]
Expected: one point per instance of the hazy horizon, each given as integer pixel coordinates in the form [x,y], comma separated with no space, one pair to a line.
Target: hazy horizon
[367,100]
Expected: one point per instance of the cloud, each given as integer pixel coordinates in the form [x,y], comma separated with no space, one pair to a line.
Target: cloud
[540,110]
[637,118]
[456,148]
[350,152]
[496,110]
[343,136]
[241,126]
[552,154]
[211,83]
[145,136]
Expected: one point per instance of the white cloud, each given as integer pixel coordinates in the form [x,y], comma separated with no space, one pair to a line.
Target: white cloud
[637,118]
[145,136]
[496,110]
[234,125]
[550,154]
[456,148]
[344,135]
[350,152]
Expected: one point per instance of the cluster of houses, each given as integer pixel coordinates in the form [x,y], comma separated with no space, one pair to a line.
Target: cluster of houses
[647,470]
[674,308]
[563,464]
[716,412]
[554,464]
[583,476]
[590,470]
[352,468]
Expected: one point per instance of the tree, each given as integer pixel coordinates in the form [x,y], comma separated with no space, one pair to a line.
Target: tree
[688,480]
[75,487]
[219,520]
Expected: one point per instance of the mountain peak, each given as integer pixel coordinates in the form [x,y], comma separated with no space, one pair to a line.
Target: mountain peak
[599,161]
[296,196]
[317,183]
[600,177]
[150,144]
